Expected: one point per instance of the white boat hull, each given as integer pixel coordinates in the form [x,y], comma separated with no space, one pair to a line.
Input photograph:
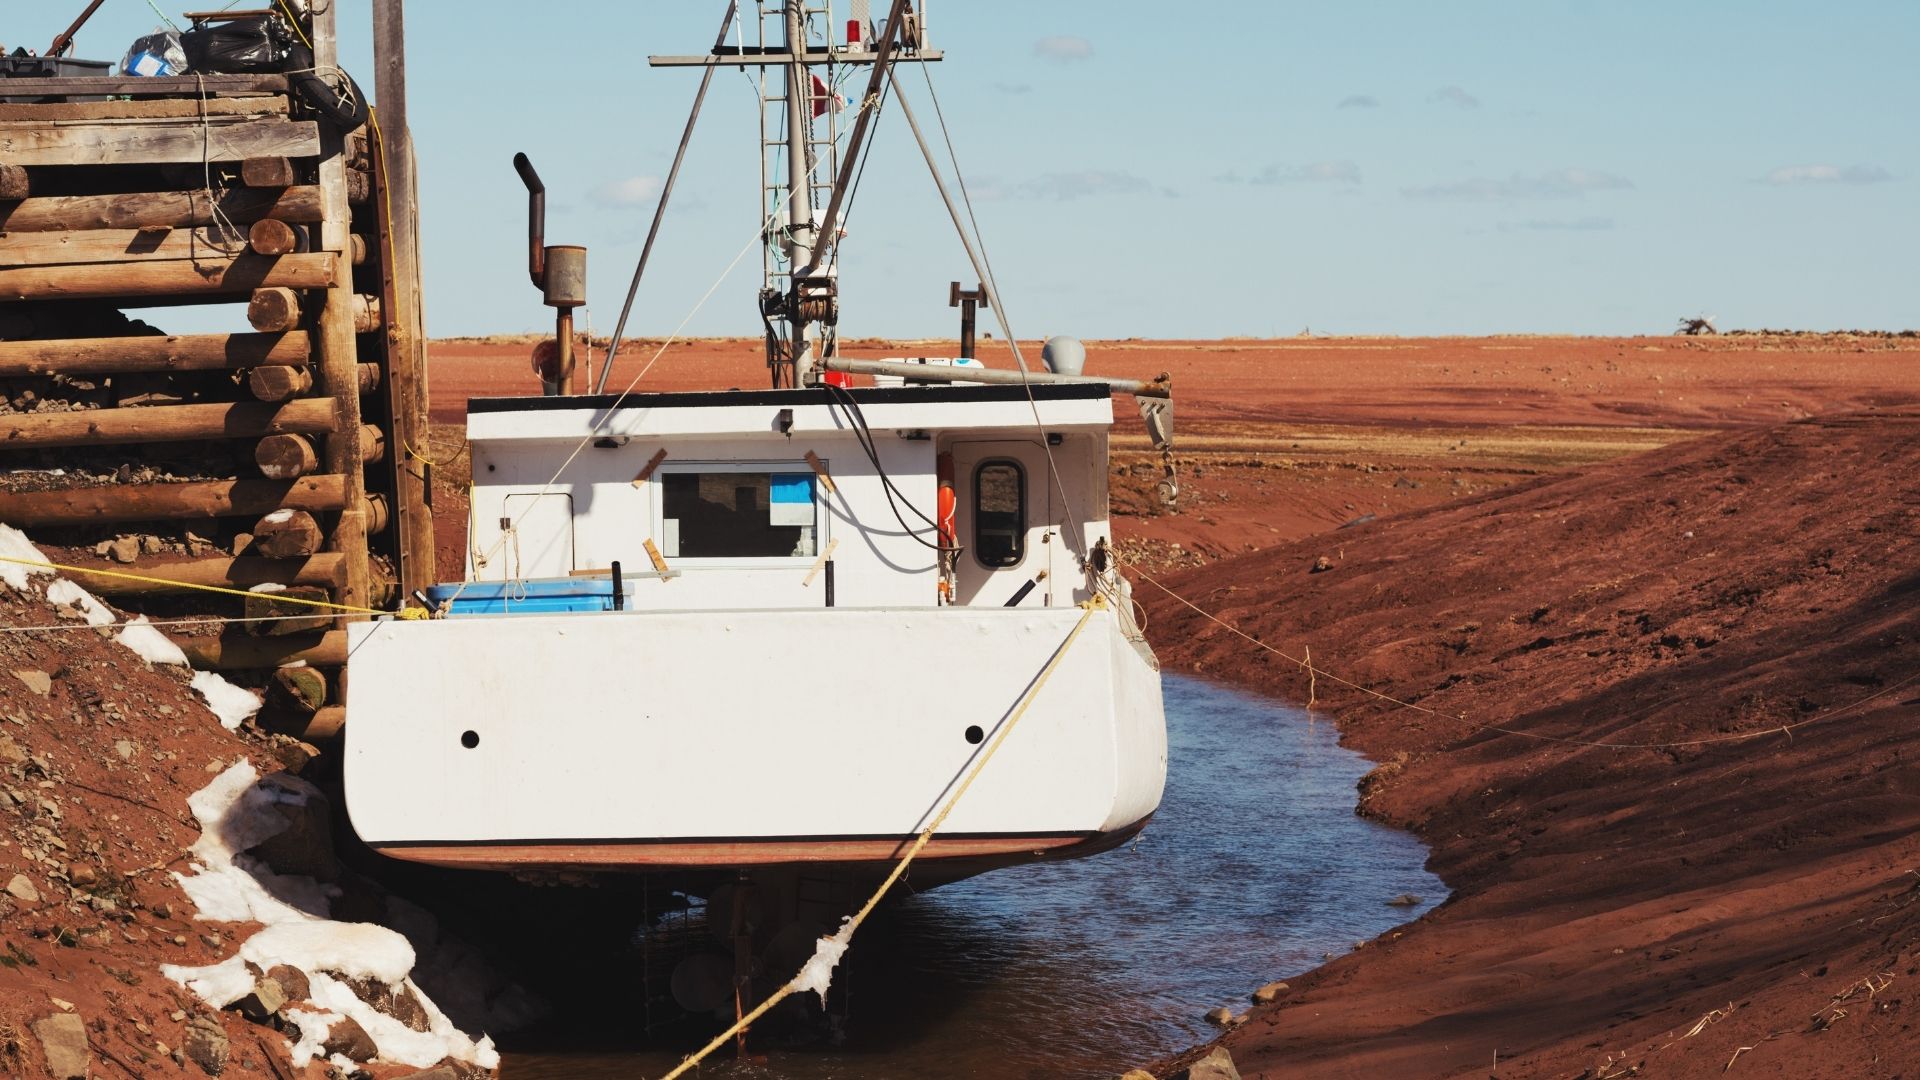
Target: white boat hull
[661,740]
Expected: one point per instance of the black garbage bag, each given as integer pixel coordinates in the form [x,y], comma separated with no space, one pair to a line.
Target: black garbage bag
[253,46]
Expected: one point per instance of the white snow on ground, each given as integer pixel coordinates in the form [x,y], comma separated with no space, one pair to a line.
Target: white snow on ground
[236,811]
[15,545]
[230,703]
[149,644]
[66,592]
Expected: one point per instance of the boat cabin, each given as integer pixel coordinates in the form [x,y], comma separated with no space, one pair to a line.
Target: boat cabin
[793,498]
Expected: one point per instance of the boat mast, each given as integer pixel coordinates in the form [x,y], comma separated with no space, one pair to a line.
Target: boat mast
[810,298]
[798,206]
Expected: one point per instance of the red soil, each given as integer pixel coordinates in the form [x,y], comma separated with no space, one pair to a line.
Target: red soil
[1668,381]
[1665,751]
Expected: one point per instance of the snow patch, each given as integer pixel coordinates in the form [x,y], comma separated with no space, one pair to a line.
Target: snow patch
[230,703]
[149,644]
[236,811]
[268,587]
[15,545]
[66,592]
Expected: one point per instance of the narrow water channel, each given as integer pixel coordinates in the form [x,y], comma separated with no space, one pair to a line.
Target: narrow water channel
[1255,868]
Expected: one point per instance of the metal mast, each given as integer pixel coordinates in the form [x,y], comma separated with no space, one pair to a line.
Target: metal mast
[803,294]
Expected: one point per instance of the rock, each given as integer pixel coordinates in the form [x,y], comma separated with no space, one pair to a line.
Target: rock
[1217,1065]
[305,848]
[82,875]
[206,1044]
[292,980]
[1269,993]
[1405,899]
[261,1003]
[124,550]
[349,1038]
[1220,1017]
[152,545]
[10,752]
[407,1009]
[1321,565]
[241,542]
[37,681]
[124,749]
[21,888]
[1136,1074]
[64,1038]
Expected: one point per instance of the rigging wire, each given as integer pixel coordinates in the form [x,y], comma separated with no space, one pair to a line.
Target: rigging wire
[1075,540]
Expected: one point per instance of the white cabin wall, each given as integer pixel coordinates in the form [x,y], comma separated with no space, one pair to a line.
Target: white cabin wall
[876,563]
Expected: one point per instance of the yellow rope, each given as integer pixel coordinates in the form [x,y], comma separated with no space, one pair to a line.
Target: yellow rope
[192,587]
[1013,718]
[295,20]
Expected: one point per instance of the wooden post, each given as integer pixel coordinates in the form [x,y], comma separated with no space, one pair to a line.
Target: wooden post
[397,213]
[155,502]
[119,355]
[239,572]
[334,336]
[170,209]
[234,651]
[171,277]
[167,423]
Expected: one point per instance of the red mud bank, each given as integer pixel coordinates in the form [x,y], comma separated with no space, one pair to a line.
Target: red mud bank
[1700,854]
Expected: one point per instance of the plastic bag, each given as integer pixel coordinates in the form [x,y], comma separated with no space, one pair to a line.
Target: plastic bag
[236,47]
[159,53]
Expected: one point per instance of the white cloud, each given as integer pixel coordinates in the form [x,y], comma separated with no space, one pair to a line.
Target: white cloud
[1558,184]
[1582,224]
[1453,95]
[1065,48]
[1318,172]
[1079,185]
[633,191]
[1358,101]
[1826,174]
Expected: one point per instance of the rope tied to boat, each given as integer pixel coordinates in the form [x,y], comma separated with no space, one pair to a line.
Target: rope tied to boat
[817,973]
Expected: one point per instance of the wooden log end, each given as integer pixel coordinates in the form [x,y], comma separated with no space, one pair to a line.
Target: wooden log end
[286,457]
[274,382]
[274,310]
[270,237]
[267,172]
[287,534]
[13,182]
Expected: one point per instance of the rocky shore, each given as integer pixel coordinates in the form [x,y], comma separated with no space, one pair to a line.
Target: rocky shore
[170,899]
[1662,733]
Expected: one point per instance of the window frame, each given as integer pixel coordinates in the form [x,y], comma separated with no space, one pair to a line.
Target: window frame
[1025,520]
[657,513]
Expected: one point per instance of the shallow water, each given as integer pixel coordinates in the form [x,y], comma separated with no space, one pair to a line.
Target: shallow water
[1253,870]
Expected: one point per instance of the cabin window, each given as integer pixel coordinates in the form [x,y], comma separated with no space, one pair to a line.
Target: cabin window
[737,514]
[999,513]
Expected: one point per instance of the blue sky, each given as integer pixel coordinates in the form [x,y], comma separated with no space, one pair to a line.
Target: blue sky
[1161,170]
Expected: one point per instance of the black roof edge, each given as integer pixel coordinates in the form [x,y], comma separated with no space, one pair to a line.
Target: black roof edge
[866,395]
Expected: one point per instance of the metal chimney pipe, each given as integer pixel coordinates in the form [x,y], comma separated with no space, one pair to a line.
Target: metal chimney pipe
[536,221]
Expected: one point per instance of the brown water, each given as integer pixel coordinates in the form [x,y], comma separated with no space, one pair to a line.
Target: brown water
[1254,869]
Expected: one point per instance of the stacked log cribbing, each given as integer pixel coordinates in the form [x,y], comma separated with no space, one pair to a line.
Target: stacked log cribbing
[264,453]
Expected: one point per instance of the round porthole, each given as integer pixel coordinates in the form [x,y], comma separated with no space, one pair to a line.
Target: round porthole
[469,739]
[974,734]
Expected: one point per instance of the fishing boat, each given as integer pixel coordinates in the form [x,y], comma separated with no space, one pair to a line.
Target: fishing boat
[767,631]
